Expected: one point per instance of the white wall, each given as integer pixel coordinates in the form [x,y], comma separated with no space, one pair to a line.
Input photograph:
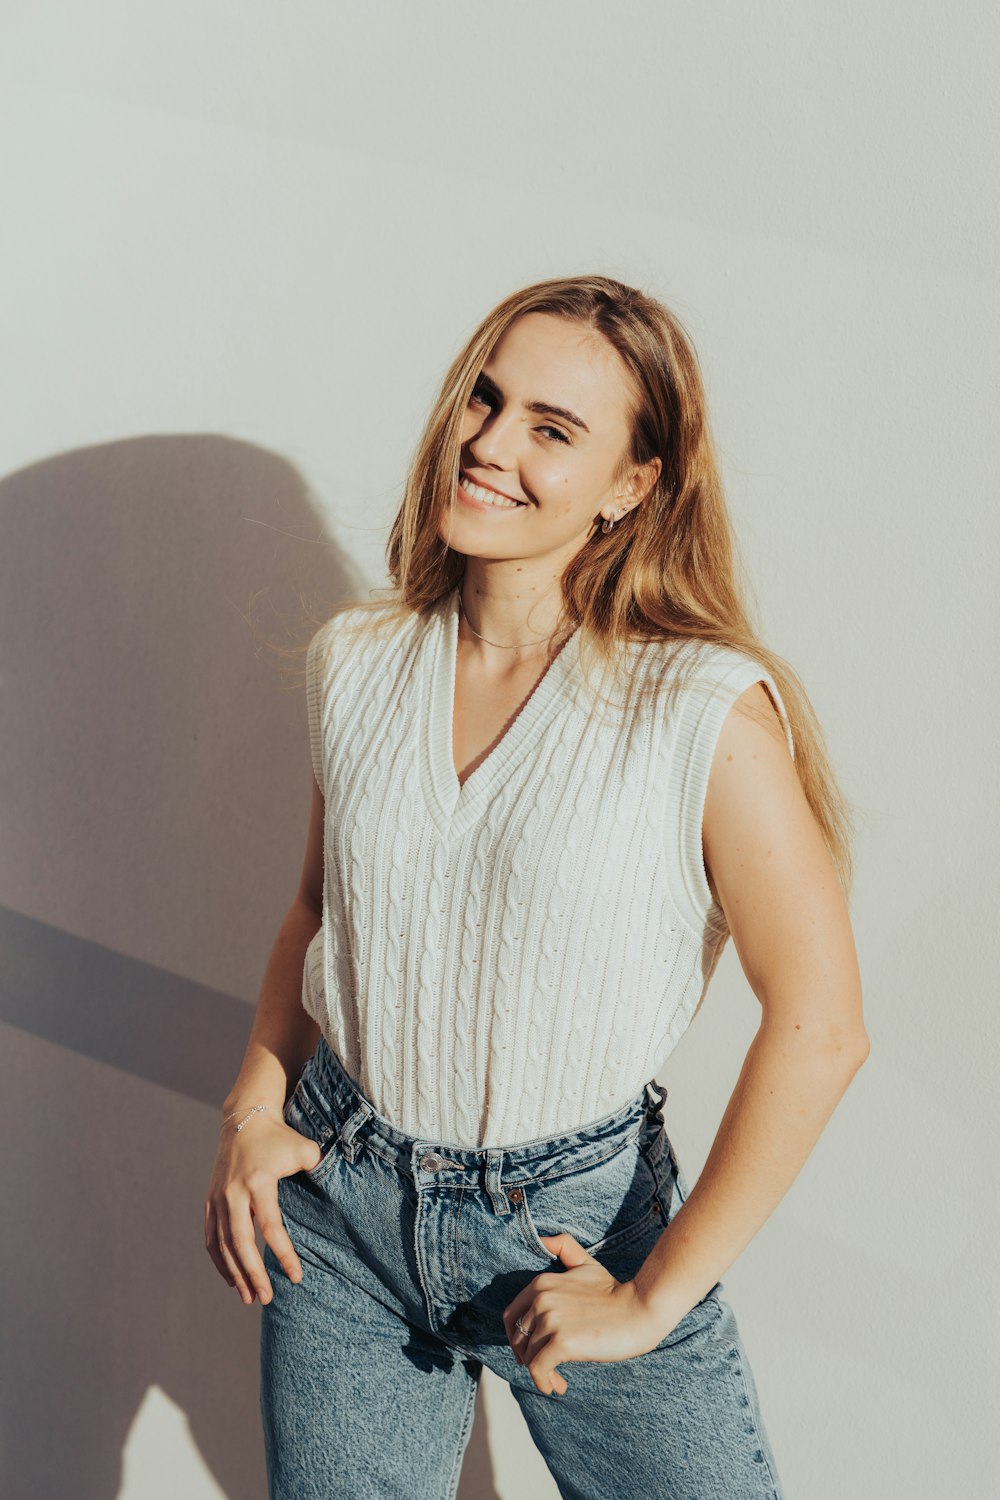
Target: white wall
[241,243]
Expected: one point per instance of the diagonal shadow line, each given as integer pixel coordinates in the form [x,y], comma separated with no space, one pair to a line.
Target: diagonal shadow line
[152,1023]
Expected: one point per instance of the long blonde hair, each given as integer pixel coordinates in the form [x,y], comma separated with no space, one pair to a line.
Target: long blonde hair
[669,569]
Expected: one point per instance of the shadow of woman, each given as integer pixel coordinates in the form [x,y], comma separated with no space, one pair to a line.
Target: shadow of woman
[156,782]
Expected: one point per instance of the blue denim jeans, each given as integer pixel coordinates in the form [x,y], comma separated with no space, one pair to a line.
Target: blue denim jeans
[410,1251]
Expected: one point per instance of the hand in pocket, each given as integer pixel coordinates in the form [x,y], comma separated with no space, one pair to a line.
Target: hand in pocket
[244,1189]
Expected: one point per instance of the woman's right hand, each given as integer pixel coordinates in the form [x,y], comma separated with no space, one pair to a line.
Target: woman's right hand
[244,1188]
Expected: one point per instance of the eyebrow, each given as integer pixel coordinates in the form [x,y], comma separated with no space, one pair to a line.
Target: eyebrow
[544,408]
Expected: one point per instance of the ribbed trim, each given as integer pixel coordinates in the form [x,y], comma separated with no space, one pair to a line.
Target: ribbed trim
[314,697]
[722,676]
[456,806]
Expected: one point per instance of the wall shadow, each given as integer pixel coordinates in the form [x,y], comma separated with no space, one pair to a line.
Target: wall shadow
[155,780]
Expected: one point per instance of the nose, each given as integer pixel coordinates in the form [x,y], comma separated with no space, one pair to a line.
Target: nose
[495,443]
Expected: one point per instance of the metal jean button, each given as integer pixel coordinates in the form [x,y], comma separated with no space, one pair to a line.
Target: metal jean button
[432,1161]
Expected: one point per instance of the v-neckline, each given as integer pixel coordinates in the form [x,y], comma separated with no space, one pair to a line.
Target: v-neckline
[457,805]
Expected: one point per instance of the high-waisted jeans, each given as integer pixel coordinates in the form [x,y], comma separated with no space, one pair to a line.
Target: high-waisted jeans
[411,1249]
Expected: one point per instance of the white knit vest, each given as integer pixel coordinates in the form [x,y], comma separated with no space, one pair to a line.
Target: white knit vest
[514,957]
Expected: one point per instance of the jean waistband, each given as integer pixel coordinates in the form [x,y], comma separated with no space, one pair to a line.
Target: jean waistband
[343,1109]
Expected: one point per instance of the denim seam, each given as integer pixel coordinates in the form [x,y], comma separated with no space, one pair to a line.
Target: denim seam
[467,1420]
[524,1221]
[328,1138]
[459,1278]
[390,1161]
[319,1173]
[319,1125]
[393,1160]
[571,1170]
[418,1250]
[775,1493]
[623,1236]
[576,1166]
[619,1237]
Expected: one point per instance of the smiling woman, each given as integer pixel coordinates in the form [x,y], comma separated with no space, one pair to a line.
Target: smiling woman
[554,771]
[545,428]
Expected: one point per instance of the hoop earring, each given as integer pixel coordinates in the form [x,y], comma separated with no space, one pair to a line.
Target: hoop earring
[606,525]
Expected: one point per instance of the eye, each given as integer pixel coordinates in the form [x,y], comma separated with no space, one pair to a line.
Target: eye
[481,395]
[485,397]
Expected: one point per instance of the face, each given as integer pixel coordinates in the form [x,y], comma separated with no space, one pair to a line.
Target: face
[546,426]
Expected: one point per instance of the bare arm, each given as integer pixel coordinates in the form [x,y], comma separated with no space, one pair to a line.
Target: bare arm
[244,1183]
[772,874]
[769,868]
[283,1036]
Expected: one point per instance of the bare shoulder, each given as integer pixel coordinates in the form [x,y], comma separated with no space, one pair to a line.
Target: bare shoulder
[768,863]
[753,785]
[755,706]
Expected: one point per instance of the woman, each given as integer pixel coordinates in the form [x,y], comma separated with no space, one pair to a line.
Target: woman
[519,876]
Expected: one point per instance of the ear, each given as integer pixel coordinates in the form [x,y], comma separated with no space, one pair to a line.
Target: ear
[640,483]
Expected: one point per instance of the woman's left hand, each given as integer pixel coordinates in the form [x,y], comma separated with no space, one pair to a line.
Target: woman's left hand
[581,1313]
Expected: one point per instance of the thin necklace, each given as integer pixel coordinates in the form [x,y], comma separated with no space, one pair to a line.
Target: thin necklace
[518,646]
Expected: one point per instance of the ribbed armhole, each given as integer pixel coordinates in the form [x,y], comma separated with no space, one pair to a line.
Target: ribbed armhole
[315,698]
[705,706]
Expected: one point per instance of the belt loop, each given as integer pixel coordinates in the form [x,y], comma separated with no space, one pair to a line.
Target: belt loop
[498,1197]
[655,1097]
[353,1124]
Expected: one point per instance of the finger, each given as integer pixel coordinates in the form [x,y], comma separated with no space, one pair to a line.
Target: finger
[516,1337]
[519,1308]
[243,1242]
[548,1379]
[541,1360]
[566,1248]
[519,1341]
[534,1344]
[314,1152]
[233,1243]
[212,1245]
[272,1227]
[549,1384]
[235,1270]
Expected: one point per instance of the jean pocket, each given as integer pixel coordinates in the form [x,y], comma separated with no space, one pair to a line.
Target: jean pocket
[303,1113]
[617,1203]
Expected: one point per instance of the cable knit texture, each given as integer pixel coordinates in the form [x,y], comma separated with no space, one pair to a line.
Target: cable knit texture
[516,956]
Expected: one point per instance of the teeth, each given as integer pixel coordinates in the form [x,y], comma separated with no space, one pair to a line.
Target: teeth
[488,497]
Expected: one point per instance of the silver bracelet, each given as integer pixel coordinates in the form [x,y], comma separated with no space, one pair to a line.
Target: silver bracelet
[226,1118]
[249,1112]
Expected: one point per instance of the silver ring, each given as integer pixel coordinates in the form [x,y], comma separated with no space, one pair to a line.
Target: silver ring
[517,1325]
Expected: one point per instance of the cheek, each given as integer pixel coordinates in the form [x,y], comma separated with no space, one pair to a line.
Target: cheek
[568,498]
[556,488]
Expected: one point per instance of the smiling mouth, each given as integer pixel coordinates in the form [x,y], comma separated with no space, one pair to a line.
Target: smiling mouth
[484,496]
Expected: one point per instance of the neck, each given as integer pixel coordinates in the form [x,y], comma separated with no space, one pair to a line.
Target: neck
[517,621]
